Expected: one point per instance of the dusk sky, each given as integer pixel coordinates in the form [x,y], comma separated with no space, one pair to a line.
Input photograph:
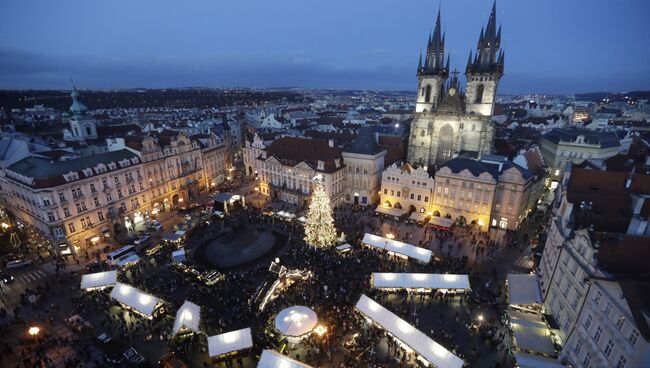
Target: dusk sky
[552,46]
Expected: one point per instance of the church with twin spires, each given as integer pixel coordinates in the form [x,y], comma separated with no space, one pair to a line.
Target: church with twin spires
[449,120]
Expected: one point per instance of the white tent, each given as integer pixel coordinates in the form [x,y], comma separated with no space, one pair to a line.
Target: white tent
[188,316]
[135,299]
[344,248]
[441,221]
[531,332]
[128,260]
[423,345]
[525,360]
[296,321]
[523,289]
[273,359]
[229,342]
[418,216]
[98,280]
[397,212]
[178,256]
[386,280]
[397,247]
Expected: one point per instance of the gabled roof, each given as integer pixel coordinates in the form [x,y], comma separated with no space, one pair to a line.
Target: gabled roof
[293,150]
[365,142]
[456,165]
[604,139]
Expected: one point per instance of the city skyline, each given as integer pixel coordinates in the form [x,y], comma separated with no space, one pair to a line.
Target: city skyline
[328,45]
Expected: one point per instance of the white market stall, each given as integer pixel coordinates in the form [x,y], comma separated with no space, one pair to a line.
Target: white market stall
[344,248]
[397,212]
[398,248]
[229,342]
[98,280]
[178,256]
[187,318]
[427,349]
[135,299]
[525,360]
[441,222]
[296,321]
[530,332]
[418,216]
[273,359]
[425,281]
[523,289]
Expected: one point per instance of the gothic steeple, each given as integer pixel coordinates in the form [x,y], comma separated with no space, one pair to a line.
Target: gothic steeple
[434,61]
[488,57]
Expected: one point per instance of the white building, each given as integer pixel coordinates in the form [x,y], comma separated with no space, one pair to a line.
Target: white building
[364,163]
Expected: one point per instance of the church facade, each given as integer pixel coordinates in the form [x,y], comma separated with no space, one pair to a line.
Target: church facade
[448,120]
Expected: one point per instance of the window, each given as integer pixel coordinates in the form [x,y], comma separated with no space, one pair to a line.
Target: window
[392,192]
[66,212]
[79,209]
[96,200]
[609,348]
[399,193]
[412,196]
[119,194]
[92,188]
[426,198]
[621,362]
[71,227]
[419,197]
[620,323]
[588,321]
[634,337]
[577,347]
[587,360]
[599,295]
[576,299]
[61,197]
[598,334]
[109,198]
[117,180]
[84,223]
[479,94]
[50,216]
[100,216]
[385,191]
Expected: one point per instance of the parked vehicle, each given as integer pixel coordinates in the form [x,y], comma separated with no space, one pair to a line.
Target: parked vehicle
[17,263]
[6,278]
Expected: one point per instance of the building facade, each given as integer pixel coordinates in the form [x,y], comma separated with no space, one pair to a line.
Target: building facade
[407,188]
[364,163]
[446,120]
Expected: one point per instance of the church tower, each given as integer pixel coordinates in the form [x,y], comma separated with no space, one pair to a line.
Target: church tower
[485,69]
[433,72]
[82,126]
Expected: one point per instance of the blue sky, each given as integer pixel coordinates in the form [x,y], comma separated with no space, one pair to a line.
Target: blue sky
[552,46]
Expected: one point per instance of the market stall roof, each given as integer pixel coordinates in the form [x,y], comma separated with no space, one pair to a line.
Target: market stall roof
[134,298]
[428,349]
[133,258]
[99,279]
[229,342]
[285,214]
[302,219]
[273,359]
[397,212]
[296,321]
[390,245]
[344,247]
[441,221]
[531,332]
[178,256]
[188,316]
[523,289]
[386,280]
[418,216]
[226,197]
[525,360]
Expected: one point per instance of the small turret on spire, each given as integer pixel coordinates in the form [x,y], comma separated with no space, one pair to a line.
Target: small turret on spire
[420,62]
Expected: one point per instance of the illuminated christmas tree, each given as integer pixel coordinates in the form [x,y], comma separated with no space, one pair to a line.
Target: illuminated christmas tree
[319,227]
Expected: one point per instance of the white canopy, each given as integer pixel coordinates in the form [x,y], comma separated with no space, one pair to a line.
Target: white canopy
[98,280]
[531,332]
[178,256]
[394,246]
[188,316]
[273,359]
[428,349]
[296,321]
[418,216]
[229,342]
[129,259]
[397,212]
[344,247]
[302,219]
[525,360]
[385,280]
[441,221]
[523,289]
[134,298]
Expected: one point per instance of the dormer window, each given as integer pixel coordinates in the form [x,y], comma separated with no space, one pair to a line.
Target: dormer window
[321,165]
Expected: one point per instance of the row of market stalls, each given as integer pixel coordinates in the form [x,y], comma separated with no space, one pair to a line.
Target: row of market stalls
[416,216]
[533,343]
[420,282]
[397,248]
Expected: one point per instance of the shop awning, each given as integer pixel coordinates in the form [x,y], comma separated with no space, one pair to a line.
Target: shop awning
[273,359]
[525,360]
[98,280]
[397,212]
[441,221]
[135,299]
[418,216]
[384,280]
[404,249]
[229,342]
[523,289]
[187,316]
[422,344]
[531,332]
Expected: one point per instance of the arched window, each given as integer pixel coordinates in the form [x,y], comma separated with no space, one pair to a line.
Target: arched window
[422,132]
[427,94]
[479,94]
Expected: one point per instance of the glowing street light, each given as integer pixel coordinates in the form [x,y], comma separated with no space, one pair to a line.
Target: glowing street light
[33,331]
[390,236]
[5,226]
[320,330]
[480,318]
